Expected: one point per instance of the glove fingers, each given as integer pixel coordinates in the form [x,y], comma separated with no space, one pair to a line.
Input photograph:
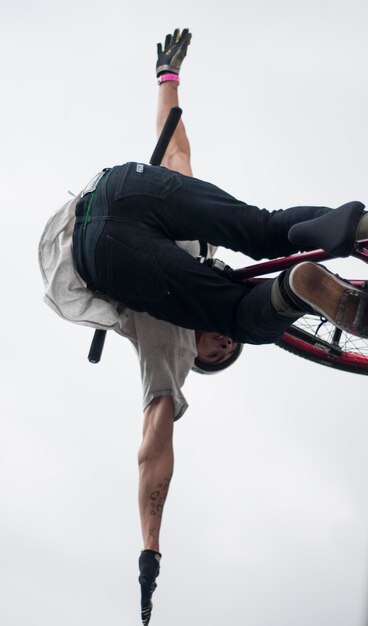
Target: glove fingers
[167,42]
[186,41]
[146,602]
[146,614]
[172,53]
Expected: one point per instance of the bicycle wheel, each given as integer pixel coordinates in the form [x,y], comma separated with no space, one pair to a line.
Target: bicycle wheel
[316,339]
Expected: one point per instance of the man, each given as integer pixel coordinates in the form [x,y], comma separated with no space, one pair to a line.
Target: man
[133,268]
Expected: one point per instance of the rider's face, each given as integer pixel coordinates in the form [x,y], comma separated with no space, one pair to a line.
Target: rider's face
[214,348]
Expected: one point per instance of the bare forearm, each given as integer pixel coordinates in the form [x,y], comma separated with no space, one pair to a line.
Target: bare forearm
[155,478]
[179,145]
[156,462]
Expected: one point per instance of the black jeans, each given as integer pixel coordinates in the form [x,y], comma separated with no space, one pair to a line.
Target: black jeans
[128,250]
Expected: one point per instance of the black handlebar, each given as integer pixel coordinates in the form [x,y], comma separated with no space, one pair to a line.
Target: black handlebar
[166,134]
[158,154]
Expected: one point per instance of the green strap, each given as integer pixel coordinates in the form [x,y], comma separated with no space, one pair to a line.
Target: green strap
[88,213]
[86,222]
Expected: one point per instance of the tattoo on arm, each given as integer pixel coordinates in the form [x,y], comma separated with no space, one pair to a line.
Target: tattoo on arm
[158,497]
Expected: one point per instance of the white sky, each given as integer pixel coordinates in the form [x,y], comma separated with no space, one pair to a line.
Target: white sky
[266,522]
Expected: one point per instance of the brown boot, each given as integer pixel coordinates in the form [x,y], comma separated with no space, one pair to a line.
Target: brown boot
[336,300]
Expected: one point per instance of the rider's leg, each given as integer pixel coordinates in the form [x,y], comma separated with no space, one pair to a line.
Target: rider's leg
[148,272]
[185,208]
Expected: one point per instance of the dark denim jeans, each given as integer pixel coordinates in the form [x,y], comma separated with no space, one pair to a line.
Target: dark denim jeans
[130,254]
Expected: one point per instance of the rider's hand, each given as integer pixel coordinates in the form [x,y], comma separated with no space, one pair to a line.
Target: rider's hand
[149,569]
[171,57]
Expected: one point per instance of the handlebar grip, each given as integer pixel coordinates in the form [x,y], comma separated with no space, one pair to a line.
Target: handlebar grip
[97,345]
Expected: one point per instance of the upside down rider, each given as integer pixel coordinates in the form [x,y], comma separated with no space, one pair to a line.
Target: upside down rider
[123,255]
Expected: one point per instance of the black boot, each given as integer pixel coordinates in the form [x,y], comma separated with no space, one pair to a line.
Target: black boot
[334,232]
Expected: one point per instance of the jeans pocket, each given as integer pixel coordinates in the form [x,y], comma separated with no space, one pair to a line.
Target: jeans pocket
[138,179]
[133,277]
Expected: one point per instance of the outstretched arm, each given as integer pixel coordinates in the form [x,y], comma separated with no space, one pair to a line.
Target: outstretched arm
[177,156]
[156,453]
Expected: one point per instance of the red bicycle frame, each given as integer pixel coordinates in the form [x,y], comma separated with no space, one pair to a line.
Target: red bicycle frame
[350,355]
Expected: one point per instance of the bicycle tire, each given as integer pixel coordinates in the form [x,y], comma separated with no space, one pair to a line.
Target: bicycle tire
[312,338]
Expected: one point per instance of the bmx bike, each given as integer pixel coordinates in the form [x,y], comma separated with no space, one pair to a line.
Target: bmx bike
[312,336]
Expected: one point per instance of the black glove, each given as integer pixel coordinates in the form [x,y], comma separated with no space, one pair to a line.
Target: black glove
[149,568]
[171,57]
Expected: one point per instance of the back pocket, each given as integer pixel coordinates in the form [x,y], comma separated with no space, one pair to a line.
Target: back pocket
[133,277]
[138,179]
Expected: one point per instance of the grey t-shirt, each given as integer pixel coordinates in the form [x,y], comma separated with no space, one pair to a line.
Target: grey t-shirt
[166,355]
[166,352]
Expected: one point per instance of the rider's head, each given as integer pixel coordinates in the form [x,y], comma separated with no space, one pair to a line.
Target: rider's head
[215,352]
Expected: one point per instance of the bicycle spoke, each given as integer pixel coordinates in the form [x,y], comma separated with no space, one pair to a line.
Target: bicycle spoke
[328,333]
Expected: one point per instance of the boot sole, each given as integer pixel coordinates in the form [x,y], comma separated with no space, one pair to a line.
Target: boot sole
[339,302]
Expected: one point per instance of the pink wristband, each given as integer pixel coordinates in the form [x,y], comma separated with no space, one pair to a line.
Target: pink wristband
[165,77]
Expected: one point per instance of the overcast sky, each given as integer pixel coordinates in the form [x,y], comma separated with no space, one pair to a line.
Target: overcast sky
[266,521]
